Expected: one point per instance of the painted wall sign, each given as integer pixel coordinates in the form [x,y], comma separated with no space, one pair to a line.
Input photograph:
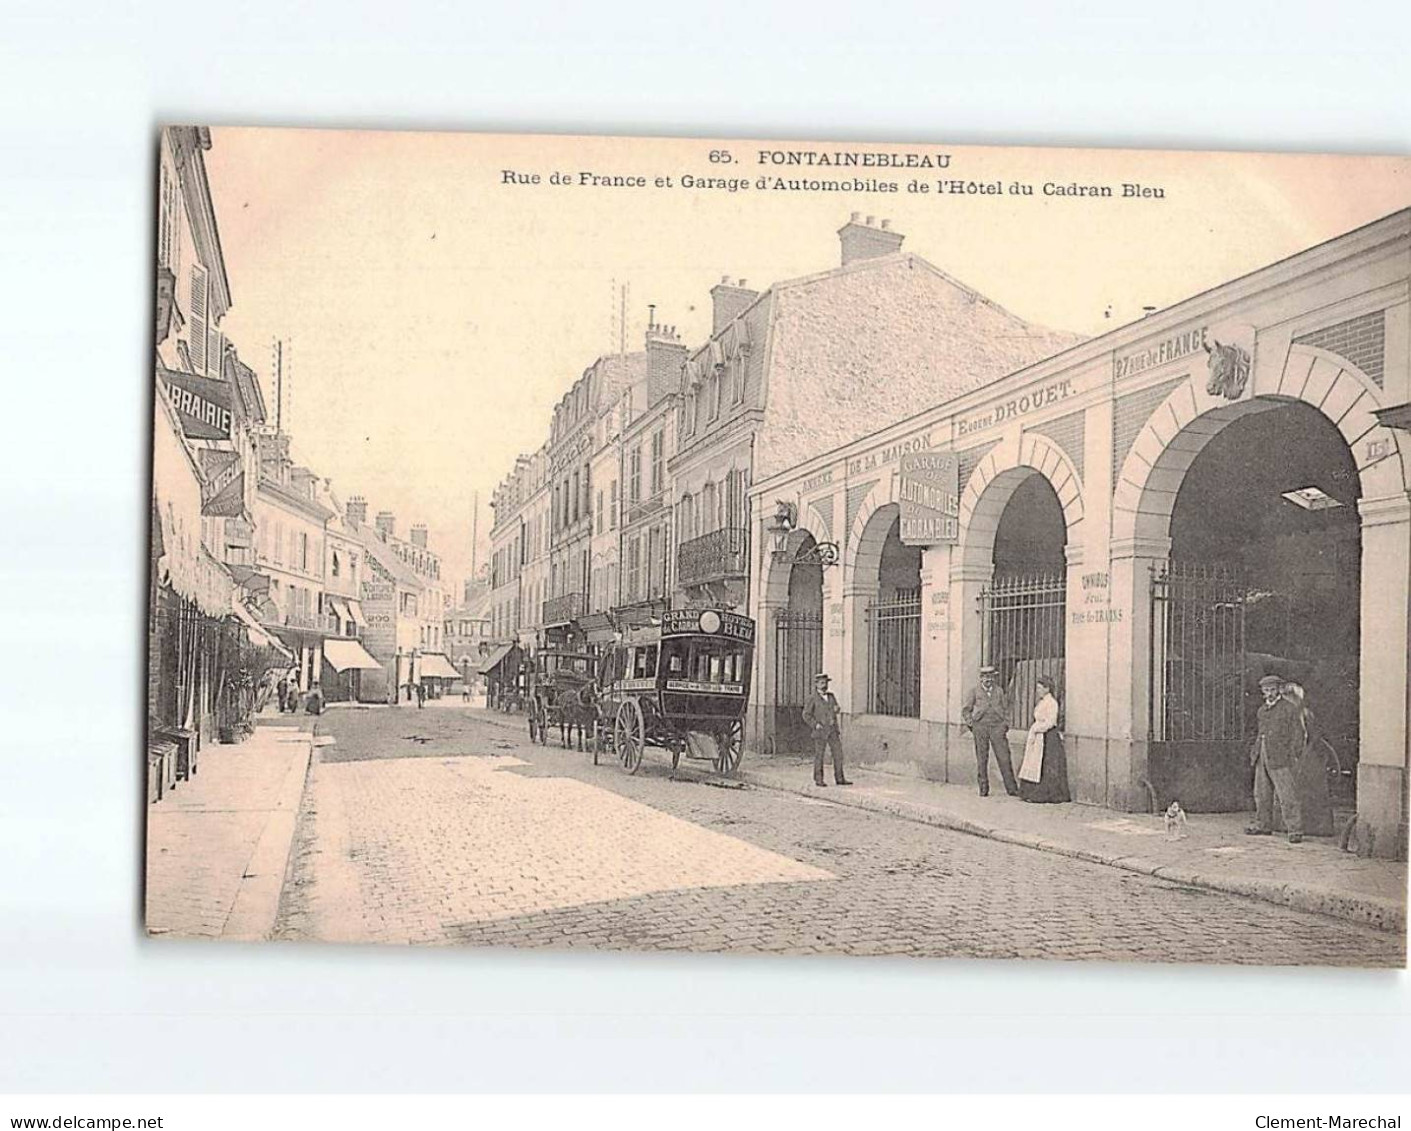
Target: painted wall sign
[813,482]
[1030,400]
[929,494]
[889,454]
[1174,348]
[201,403]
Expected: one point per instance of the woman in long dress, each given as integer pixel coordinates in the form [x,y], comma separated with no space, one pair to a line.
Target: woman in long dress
[1043,778]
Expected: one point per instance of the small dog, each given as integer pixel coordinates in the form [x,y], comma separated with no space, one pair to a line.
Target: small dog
[1175,819]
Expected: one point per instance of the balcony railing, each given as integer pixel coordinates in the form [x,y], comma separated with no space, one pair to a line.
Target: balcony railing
[314,622]
[716,556]
[561,610]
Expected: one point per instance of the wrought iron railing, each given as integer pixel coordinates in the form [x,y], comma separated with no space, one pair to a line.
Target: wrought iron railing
[716,556]
[894,655]
[1023,636]
[561,610]
[1198,657]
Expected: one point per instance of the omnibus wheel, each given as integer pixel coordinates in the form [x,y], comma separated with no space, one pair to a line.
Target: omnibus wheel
[630,735]
[730,748]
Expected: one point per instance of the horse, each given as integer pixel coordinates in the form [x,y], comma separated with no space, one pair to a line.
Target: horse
[578,709]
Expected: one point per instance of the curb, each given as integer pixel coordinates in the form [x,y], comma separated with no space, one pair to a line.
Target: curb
[255,911]
[1365,910]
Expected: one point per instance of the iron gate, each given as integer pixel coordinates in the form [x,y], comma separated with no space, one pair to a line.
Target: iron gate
[894,655]
[798,655]
[1197,653]
[1022,635]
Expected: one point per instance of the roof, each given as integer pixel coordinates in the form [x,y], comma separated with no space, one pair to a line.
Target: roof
[387,560]
[858,347]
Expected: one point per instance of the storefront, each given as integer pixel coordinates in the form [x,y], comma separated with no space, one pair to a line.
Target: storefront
[1156,518]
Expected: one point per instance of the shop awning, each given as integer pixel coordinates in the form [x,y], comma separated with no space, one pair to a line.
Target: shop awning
[355,610]
[346,655]
[258,636]
[340,608]
[495,658]
[436,666]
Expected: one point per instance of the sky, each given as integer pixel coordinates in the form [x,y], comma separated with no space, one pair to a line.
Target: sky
[434,309]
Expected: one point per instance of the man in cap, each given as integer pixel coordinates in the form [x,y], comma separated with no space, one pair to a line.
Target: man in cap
[820,713]
[986,711]
[1276,749]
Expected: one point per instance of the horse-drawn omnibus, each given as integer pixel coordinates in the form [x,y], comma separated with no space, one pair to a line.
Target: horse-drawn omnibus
[561,694]
[681,686]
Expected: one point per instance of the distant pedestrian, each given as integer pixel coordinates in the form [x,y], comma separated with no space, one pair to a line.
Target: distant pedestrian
[313,704]
[283,689]
[821,714]
[1315,761]
[986,711]
[420,695]
[1277,746]
[1043,777]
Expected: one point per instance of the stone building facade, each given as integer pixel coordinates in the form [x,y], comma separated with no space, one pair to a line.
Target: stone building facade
[1155,517]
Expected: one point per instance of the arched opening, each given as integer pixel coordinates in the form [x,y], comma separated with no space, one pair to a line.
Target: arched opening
[798,643]
[1024,605]
[1264,578]
[893,617]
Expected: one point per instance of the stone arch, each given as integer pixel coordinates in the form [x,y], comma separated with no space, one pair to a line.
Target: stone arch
[994,480]
[868,532]
[780,566]
[1178,431]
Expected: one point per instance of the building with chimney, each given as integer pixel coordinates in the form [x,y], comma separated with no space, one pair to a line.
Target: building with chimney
[1153,519]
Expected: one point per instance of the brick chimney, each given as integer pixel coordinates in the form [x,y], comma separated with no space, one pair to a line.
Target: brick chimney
[419,536]
[727,300]
[665,356]
[866,239]
[386,525]
[355,511]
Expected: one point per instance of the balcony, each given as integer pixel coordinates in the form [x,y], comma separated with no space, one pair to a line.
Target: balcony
[717,556]
[313,622]
[561,610]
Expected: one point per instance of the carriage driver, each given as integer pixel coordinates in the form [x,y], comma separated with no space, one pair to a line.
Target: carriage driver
[821,714]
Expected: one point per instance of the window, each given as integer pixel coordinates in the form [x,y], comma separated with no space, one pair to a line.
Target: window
[598,526]
[658,445]
[687,519]
[304,551]
[633,578]
[708,515]
[634,476]
[713,392]
[576,497]
[688,414]
[279,543]
[587,490]
[737,379]
[335,563]
[612,507]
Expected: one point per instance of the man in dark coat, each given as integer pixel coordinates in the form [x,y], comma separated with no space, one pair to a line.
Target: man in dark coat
[820,713]
[986,711]
[1276,749]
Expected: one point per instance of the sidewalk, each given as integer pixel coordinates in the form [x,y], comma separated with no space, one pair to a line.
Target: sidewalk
[1314,876]
[217,846]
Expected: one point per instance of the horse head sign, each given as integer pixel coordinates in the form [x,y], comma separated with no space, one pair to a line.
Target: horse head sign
[1229,371]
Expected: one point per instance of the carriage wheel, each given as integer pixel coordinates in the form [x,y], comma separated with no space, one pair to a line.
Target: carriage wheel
[630,735]
[729,748]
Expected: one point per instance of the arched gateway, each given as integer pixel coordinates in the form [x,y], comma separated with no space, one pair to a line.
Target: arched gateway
[1269,533]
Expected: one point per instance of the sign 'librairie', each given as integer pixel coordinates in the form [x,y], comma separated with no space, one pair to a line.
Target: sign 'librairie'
[929,494]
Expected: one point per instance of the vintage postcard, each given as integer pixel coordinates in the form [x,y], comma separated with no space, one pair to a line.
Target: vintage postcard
[780,547]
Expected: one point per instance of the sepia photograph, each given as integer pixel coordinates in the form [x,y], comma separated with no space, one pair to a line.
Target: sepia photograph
[778,547]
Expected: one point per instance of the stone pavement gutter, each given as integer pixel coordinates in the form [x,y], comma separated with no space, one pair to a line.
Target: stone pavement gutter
[1213,854]
[219,845]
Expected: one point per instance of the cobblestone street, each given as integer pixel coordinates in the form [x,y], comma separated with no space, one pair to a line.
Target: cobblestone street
[443,826]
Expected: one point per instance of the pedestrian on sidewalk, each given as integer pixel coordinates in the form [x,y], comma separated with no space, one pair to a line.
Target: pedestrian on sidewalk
[1277,746]
[283,689]
[986,711]
[821,714]
[420,695]
[1043,777]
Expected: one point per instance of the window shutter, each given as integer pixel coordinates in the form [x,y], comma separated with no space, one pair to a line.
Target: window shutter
[197,340]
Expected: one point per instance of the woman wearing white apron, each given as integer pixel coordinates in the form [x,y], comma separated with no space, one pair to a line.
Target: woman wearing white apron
[1043,777]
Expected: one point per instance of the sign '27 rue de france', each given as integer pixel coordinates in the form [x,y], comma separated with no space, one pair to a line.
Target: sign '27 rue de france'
[929,493]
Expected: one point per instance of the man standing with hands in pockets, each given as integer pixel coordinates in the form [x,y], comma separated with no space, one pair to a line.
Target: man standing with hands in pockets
[986,712]
[821,714]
